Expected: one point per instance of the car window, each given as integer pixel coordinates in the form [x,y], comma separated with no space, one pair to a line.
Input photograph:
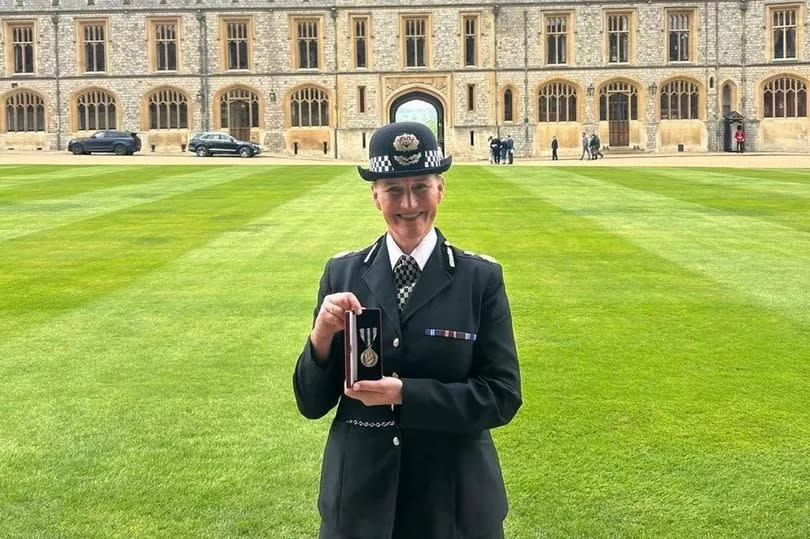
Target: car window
[98,134]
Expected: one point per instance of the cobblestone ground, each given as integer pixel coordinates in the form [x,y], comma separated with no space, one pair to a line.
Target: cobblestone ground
[746,160]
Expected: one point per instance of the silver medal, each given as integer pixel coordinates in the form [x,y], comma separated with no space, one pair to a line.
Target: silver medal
[369,357]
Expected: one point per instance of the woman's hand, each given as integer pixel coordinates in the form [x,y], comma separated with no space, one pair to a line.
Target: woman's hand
[330,320]
[387,390]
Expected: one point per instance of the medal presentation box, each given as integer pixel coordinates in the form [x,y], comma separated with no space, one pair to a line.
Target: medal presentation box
[363,346]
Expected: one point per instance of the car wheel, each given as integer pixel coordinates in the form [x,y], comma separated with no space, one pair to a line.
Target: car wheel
[77,149]
[244,151]
[201,151]
[120,149]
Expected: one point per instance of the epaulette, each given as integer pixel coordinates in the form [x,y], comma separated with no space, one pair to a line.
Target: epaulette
[488,258]
[341,254]
[369,251]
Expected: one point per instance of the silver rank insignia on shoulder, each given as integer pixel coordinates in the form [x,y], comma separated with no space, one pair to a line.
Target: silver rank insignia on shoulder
[482,257]
[451,260]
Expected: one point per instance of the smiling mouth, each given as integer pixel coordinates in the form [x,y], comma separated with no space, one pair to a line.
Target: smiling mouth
[410,216]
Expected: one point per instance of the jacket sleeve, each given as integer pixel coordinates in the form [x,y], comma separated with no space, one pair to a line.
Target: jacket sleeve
[491,396]
[318,383]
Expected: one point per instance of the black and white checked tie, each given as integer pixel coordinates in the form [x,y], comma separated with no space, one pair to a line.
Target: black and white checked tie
[406,273]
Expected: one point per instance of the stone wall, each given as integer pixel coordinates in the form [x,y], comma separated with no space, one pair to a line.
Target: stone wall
[732,40]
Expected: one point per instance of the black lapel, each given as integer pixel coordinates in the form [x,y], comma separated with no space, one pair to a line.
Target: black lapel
[433,280]
[380,281]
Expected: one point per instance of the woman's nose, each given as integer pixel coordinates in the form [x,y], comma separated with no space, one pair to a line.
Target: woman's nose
[409,199]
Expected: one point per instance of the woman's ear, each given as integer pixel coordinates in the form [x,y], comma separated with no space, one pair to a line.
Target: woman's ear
[375,195]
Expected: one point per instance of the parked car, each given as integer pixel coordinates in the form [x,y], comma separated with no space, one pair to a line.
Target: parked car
[205,144]
[119,142]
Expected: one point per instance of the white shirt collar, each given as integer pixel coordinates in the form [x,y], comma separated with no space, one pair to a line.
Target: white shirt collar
[421,253]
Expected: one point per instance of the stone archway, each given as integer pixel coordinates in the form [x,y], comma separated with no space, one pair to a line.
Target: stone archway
[410,113]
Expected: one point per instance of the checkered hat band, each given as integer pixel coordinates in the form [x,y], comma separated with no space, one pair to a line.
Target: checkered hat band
[380,163]
[433,158]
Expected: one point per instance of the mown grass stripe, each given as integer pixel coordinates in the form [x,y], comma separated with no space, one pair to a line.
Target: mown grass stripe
[44,274]
[44,173]
[761,260]
[786,174]
[764,183]
[51,189]
[782,209]
[31,217]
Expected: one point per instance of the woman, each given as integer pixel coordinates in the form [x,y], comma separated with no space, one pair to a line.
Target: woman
[410,455]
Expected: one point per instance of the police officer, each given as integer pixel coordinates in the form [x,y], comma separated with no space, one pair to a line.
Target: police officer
[411,455]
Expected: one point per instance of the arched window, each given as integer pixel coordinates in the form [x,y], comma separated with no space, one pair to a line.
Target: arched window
[558,102]
[679,100]
[785,97]
[95,109]
[309,108]
[168,109]
[238,109]
[25,111]
[508,106]
[615,98]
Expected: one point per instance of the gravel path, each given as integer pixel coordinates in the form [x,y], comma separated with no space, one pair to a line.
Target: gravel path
[746,160]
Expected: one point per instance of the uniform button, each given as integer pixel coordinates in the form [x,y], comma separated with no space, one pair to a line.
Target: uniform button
[396,440]
[396,342]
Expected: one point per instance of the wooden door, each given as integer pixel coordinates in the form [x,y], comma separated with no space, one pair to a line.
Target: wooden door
[240,120]
[619,120]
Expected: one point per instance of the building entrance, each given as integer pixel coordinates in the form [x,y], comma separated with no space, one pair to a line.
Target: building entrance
[619,122]
[240,120]
[420,107]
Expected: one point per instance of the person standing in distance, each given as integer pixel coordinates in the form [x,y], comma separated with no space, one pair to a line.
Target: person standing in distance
[495,146]
[510,149]
[586,146]
[596,144]
[411,455]
[739,136]
[554,146]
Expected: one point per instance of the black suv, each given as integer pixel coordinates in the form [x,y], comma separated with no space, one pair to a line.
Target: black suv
[205,144]
[119,142]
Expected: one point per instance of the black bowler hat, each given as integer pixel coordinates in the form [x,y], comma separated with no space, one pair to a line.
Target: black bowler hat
[403,149]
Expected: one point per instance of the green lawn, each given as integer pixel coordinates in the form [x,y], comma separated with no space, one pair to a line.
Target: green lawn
[150,319]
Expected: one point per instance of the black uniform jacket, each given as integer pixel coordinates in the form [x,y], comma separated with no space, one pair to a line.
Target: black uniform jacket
[427,468]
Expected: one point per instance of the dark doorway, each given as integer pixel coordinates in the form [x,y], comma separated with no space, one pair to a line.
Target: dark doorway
[240,120]
[619,120]
[422,114]
[730,123]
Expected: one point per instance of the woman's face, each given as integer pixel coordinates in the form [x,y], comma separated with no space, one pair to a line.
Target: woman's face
[408,206]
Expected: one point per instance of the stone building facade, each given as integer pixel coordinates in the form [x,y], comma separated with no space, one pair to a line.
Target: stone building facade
[316,77]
